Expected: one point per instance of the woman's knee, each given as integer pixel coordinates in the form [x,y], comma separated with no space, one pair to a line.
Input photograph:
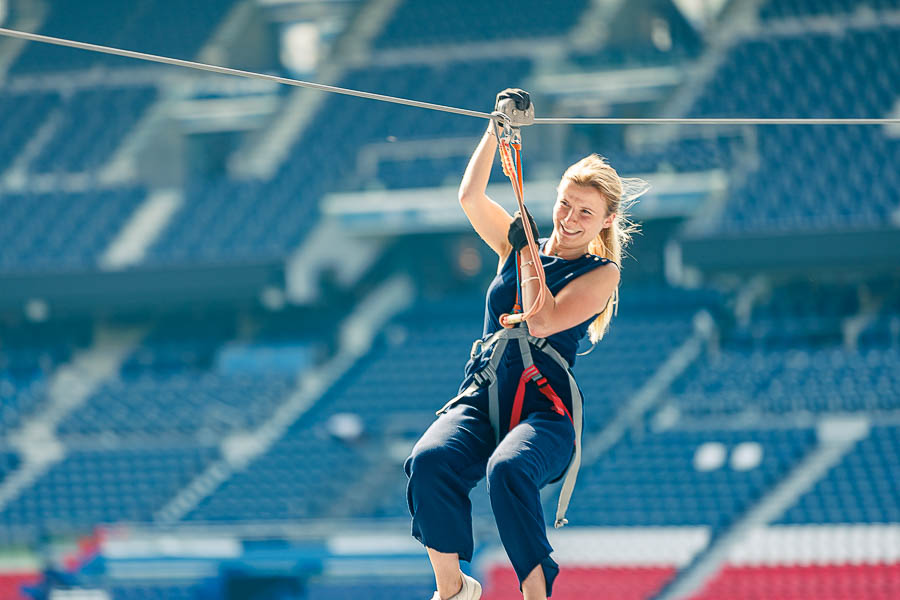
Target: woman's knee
[425,461]
[502,471]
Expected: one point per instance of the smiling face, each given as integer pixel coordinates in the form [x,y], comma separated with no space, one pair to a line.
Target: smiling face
[579,215]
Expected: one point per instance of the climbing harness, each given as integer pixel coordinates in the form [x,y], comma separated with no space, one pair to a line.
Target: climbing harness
[486,377]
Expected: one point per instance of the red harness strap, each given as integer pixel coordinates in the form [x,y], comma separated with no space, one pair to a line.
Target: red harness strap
[533,374]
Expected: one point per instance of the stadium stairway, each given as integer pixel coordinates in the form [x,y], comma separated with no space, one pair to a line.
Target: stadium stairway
[836,437]
[69,387]
[240,449]
[261,156]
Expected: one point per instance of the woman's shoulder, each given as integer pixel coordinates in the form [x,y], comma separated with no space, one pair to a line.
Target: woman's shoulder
[601,260]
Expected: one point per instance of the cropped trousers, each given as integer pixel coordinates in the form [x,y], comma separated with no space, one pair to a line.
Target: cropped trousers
[452,456]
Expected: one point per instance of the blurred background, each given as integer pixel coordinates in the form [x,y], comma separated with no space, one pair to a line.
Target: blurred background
[228,308]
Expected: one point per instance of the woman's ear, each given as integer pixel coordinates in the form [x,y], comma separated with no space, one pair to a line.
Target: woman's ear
[608,221]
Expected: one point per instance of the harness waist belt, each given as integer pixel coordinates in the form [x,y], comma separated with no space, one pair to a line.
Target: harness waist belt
[487,377]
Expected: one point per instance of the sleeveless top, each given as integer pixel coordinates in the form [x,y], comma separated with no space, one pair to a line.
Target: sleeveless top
[500,297]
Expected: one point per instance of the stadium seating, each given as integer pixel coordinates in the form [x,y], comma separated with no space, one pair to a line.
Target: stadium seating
[30,110]
[28,355]
[795,380]
[423,23]
[95,486]
[61,231]
[148,26]
[8,463]
[790,358]
[222,220]
[841,582]
[653,479]
[246,221]
[583,583]
[94,121]
[680,156]
[305,473]
[779,9]
[180,405]
[160,421]
[863,488]
[18,397]
[11,584]
[814,178]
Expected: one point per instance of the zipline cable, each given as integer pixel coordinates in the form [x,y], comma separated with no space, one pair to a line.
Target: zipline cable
[45,39]
[34,37]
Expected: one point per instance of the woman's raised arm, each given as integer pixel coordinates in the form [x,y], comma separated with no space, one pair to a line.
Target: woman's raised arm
[490,220]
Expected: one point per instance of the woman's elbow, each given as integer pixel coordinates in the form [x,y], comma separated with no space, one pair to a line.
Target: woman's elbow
[468,196]
[540,329]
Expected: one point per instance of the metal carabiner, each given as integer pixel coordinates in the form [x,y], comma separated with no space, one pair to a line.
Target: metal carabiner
[477,346]
[510,132]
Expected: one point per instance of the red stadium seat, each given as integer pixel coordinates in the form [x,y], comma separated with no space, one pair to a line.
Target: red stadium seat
[822,582]
[585,583]
[11,584]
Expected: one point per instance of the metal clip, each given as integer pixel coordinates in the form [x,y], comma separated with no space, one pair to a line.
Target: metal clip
[507,131]
[485,376]
[517,118]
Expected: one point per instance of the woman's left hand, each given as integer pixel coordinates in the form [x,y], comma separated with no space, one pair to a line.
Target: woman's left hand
[516,234]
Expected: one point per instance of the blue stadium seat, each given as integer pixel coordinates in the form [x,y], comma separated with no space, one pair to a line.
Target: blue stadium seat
[95,486]
[790,358]
[423,23]
[9,462]
[27,112]
[181,405]
[149,26]
[224,220]
[779,9]
[94,122]
[650,479]
[28,355]
[862,488]
[812,178]
[61,231]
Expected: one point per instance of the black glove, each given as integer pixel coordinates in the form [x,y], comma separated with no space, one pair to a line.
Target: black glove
[516,234]
[520,96]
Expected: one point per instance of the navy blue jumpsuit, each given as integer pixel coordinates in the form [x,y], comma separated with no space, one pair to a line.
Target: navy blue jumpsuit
[459,448]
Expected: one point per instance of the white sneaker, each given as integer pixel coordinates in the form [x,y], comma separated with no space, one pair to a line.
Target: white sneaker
[471,590]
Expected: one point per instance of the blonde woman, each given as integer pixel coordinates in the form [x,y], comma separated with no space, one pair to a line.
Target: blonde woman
[518,415]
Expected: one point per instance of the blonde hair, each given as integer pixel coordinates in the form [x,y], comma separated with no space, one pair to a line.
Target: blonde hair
[595,172]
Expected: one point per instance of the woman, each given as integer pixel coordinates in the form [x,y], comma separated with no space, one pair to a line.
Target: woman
[518,425]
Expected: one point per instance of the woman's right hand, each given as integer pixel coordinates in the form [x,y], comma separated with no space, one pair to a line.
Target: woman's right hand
[521,98]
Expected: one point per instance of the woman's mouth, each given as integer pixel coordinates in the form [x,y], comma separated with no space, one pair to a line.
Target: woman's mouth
[568,232]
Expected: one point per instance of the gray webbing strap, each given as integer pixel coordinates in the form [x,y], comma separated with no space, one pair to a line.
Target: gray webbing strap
[525,350]
[493,397]
[565,493]
[489,375]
